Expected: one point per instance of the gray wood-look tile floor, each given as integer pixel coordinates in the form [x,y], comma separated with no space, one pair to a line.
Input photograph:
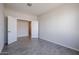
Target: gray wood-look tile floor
[25,46]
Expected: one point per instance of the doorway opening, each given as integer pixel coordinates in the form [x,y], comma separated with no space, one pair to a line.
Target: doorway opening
[24,31]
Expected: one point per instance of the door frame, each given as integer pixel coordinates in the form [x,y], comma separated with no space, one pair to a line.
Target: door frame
[29,28]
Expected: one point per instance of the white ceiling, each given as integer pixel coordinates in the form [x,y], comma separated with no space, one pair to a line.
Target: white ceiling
[35,9]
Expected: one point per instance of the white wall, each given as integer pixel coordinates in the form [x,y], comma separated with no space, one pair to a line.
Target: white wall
[60,26]
[1,27]
[22,28]
[22,16]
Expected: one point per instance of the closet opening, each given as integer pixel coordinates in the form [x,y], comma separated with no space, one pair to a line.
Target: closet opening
[24,31]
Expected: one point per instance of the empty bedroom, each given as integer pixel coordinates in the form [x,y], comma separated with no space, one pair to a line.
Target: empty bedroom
[39,29]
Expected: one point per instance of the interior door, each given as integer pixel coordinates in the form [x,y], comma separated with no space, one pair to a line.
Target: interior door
[12,29]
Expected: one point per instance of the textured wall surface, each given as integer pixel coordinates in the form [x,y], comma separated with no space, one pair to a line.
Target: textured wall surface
[60,26]
[1,26]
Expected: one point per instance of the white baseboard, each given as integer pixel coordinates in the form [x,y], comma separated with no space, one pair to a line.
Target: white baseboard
[1,49]
[63,45]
